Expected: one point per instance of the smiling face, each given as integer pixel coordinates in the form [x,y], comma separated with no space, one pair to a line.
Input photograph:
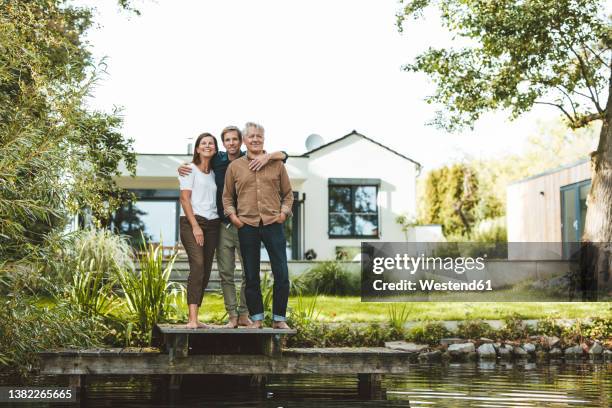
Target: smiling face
[206,148]
[254,139]
[232,142]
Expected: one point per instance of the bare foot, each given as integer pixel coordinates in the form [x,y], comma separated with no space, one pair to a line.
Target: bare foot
[281,325]
[197,325]
[257,324]
[232,323]
[244,320]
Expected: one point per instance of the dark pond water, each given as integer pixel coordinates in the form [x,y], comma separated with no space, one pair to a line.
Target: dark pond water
[580,384]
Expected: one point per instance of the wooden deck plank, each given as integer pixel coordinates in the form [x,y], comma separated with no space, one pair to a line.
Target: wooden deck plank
[181,329]
[373,361]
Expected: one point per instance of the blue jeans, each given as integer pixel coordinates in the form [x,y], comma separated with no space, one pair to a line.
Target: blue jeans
[273,238]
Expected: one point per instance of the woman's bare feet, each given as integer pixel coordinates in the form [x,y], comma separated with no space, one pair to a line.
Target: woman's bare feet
[232,323]
[257,324]
[243,320]
[197,325]
[281,325]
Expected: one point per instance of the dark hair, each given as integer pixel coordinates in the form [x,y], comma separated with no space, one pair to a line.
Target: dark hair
[228,129]
[196,156]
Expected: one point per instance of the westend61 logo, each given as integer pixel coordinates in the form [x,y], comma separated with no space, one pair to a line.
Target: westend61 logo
[473,272]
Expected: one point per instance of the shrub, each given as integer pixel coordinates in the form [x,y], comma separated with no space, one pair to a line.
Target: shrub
[308,334]
[95,258]
[549,327]
[429,333]
[330,278]
[599,329]
[26,329]
[514,328]
[474,329]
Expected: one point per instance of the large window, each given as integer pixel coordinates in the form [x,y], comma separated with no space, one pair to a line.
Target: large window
[153,215]
[353,208]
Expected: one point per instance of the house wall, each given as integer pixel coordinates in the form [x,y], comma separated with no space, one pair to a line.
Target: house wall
[535,217]
[355,157]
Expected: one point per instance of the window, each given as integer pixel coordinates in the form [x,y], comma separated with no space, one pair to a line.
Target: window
[353,209]
[154,214]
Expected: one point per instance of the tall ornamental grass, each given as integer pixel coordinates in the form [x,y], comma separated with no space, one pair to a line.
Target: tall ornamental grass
[148,292]
[98,255]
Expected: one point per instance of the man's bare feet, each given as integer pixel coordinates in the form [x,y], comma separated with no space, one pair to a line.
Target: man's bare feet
[197,325]
[244,320]
[232,323]
[281,325]
[257,324]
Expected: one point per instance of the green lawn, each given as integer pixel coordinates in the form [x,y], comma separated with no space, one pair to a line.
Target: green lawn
[351,309]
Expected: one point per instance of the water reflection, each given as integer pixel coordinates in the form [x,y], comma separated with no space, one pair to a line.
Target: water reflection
[483,384]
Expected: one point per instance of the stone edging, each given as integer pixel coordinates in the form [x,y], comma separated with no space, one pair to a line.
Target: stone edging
[537,348]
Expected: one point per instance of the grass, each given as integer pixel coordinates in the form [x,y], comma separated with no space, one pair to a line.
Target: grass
[351,309]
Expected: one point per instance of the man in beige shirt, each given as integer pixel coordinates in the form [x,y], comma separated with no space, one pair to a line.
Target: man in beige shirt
[258,203]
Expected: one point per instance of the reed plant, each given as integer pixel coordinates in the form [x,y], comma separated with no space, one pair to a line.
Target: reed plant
[398,316]
[305,311]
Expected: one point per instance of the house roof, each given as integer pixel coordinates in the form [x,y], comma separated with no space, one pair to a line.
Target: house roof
[551,171]
[355,133]
[165,165]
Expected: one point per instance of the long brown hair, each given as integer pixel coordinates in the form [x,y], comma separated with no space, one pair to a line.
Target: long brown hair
[196,157]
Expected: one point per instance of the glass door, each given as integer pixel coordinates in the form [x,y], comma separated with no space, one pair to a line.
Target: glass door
[573,213]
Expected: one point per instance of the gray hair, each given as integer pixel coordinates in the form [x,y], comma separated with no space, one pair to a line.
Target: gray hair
[252,125]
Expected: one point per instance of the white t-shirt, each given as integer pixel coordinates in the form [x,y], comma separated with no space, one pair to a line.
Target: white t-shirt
[203,192]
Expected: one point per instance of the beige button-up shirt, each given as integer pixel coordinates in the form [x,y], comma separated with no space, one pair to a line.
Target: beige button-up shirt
[256,196]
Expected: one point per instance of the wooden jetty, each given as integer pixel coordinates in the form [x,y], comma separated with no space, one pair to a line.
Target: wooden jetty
[221,351]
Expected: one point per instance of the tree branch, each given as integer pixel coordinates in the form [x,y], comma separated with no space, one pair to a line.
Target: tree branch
[586,79]
[560,107]
[568,98]
[598,55]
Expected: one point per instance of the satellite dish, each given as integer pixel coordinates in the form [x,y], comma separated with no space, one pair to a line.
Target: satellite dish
[313,141]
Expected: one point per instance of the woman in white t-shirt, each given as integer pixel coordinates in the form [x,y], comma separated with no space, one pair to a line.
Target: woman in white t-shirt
[199,222]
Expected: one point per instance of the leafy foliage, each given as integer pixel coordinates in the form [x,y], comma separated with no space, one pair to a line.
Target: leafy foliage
[428,333]
[514,328]
[518,53]
[451,196]
[474,329]
[56,157]
[26,328]
[330,278]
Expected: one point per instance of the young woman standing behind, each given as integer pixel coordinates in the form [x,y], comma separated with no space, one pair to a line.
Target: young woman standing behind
[199,222]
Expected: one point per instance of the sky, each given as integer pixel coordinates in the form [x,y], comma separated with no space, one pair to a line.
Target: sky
[298,68]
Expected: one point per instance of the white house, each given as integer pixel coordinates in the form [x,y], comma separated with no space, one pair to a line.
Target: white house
[347,191]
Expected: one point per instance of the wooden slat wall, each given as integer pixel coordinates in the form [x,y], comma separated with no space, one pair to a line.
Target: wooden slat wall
[533,217]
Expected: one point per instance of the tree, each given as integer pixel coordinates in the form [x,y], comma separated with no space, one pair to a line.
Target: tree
[522,53]
[56,156]
[451,195]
